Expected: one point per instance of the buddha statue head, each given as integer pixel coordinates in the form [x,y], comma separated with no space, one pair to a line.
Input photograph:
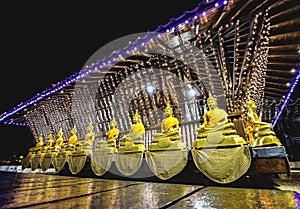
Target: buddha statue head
[73,131]
[251,105]
[211,101]
[59,133]
[113,123]
[90,127]
[136,117]
[168,110]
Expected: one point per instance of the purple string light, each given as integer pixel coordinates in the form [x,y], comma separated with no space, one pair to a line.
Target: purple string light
[35,99]
[287,97]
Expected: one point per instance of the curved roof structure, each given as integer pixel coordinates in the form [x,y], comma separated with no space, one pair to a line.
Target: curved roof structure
[236,49]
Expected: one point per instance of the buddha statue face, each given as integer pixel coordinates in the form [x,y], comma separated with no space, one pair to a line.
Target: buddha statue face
[136,118]
[90,128]
[59,134]
[168,111]
[50,137]
[211,102]
[251,105]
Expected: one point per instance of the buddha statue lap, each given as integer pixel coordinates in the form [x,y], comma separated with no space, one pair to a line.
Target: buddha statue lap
[260,133]
[109,145]
[169,137]
[216,130]
[134,142]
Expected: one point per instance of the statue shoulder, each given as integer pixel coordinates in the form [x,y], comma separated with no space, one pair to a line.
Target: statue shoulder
[139,126]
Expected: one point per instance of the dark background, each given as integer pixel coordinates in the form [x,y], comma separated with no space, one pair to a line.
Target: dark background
[44,43]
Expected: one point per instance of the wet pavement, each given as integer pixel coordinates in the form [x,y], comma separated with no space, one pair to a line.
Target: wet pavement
[34,190]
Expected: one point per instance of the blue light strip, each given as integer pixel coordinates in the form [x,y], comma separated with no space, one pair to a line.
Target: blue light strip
[15,123]
[287,97]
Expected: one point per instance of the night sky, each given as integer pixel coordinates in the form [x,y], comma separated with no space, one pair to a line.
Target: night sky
[44,43]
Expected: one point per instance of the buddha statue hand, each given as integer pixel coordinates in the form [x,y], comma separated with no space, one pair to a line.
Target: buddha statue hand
[111,140]
[125,138]
[172,133]
[201,129]
[138,136]
[132,137]
[155,135]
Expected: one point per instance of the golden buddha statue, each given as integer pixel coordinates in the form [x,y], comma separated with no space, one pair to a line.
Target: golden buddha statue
[48,146]
[89,138]
[216,130]
[113,133]
[260,133]
[170,124]
[133,141]
[253,117]
[73,146]
[73,137]
[109,145]
[59,139]
[50,141]
[40,142]
[169,137]
[90,135]
[38,146]
[214,117]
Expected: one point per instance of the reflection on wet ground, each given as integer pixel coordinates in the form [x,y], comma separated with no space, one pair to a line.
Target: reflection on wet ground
[33,190]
